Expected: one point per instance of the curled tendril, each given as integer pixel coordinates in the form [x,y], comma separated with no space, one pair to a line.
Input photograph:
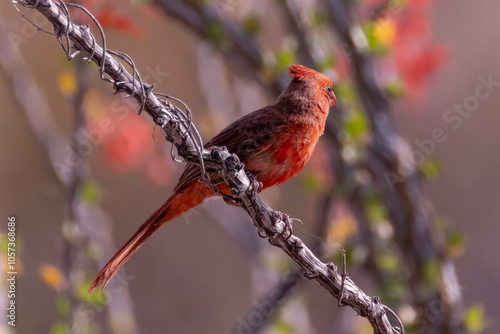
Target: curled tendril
[27,5]
[191,131]
[101,32]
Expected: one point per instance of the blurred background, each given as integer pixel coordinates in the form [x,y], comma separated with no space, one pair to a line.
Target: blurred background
[405,177]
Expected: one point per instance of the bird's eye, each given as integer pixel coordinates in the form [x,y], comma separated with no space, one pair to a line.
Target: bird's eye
[329,89]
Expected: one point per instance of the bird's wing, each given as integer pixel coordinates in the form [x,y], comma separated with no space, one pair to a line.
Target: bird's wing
[246,137]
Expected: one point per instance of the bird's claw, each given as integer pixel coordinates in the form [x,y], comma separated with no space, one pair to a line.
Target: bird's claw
[261,234]
[287,229]
[254,182]
[231,201]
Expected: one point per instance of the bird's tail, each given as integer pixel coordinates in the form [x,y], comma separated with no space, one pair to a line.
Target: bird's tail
[175,206]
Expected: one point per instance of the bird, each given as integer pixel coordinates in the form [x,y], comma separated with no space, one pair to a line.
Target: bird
[274,143]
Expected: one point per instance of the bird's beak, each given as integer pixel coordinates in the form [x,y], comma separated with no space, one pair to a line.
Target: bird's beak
[333,99]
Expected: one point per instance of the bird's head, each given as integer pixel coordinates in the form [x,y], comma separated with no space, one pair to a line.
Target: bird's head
[307,89]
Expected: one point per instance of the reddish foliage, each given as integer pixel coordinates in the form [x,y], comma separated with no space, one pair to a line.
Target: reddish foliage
[413,55]
[416,55]
[418,68]
[127,142]
[109,18]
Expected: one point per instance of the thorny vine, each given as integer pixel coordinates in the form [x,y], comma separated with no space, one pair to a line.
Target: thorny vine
[186,139]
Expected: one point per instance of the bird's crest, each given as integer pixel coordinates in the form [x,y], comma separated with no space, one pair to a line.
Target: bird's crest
[304,74]
[300,72]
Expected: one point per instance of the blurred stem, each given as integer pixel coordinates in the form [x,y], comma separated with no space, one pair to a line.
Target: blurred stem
[53,145]
[73,230]
[405,200]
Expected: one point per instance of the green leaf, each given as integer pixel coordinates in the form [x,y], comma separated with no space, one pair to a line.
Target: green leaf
[475,318]
[215,34]
[319,17]
[199,3]
[432,272]
[3,242]
[90,192]
[63,306]
[431,168]
[375,46]
[395,88]
[388,262]
[456,239]
[345,92]
[375,209]
[284,59]
[395,290]
[58,328]
[280,326]
[394,3]
[98,297]
[325,64]
[456,243]
[310,182]
[356,125]
[252,25]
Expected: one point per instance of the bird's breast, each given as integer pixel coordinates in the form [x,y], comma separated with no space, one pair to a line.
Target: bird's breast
[286,157]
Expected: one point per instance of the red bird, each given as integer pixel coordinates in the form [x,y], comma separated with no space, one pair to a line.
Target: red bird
[274,143]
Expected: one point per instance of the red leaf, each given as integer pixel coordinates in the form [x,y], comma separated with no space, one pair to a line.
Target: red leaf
[416,55]
[108,18]
[128,144]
